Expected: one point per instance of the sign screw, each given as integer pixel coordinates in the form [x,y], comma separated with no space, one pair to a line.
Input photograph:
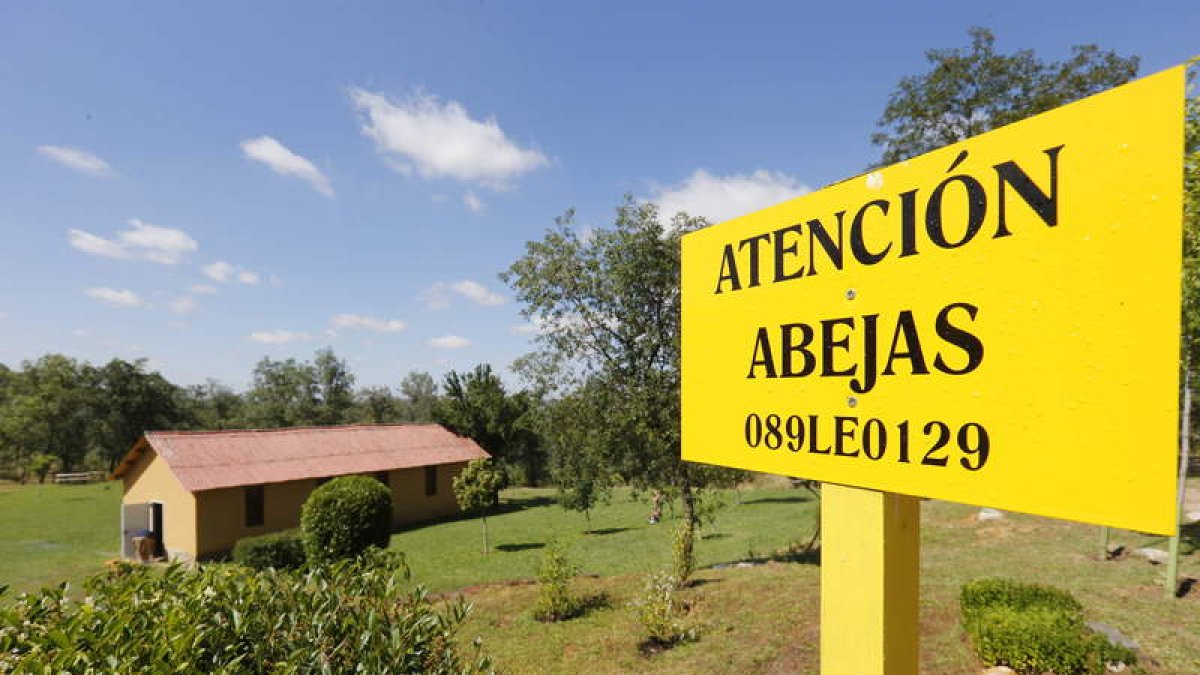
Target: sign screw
[852,401]
[850,294]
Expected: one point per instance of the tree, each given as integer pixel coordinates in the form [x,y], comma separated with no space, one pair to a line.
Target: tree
[51,410]
[476,405]
[130,401]
[283,394]
[968,92]
[420,394]
[212,405]
[577,459]
[476,490]
[334,388]
[609,308]
[1191,249]
[377,405]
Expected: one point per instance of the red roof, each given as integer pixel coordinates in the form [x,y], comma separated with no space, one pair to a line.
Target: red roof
[207,460]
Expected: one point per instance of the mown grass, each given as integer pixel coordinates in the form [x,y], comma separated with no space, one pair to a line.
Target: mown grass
[55,533]
[766,619]
[449,555]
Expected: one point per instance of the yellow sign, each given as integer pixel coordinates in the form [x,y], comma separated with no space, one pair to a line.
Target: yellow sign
[995,322]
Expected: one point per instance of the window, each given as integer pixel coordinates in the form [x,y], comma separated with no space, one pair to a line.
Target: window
[430,481]
[254,505]
[382,477]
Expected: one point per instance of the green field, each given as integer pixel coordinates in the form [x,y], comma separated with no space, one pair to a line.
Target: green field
[756,619]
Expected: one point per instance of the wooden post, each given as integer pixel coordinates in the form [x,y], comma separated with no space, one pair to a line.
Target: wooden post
[1104,542]
[870,568]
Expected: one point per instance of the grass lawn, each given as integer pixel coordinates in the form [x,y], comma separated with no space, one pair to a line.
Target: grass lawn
[761,619]
[53,533]
[765,619]
[449,555]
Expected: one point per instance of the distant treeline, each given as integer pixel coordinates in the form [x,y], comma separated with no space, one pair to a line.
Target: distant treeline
[61,414]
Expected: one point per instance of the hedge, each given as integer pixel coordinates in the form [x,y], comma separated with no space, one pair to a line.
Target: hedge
[345,516]
[280,550]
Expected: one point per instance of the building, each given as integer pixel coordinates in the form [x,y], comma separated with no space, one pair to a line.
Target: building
[201,491]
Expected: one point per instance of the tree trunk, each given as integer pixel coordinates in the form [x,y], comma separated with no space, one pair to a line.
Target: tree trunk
[689,511]
[486,548]
[587,513]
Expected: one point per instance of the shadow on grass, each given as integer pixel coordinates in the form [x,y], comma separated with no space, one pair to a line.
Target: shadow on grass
[796,499]
[695,583]
[609,530]
[512,548]
[714,535]
[580,606]
[1186,586]
[1189,538]
[511,504]
[802,555]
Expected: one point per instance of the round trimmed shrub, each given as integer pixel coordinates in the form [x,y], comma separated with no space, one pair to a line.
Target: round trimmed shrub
[280,550]
[344,517]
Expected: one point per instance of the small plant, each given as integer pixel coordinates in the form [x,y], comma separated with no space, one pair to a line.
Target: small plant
[1033,629]
[554,573]
[658,612]
[279,550]
[344,517]
[683,556]
[476,490]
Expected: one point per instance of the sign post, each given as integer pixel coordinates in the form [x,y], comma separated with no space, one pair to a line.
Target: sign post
[995,322]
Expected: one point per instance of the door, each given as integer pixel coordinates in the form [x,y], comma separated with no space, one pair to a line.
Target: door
[156,526]
[134,518]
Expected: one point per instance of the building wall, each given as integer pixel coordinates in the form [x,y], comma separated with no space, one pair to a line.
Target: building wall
[223,513]
[150,480]
[409,503]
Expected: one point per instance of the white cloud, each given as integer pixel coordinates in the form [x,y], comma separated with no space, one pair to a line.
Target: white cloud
[76,159]
[165,245]
[184,304]
[449,342]
[225,273]
[203,289]
[286,163]
[535,325]
[473,202]
[719,198]
[278,337]
[114,297]
[441,140]
[368,323]
[437,296]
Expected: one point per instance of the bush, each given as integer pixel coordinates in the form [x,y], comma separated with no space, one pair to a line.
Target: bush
[658,611]
[1034,629]
[343,517]
[554,573]
[352,616]
[280,550]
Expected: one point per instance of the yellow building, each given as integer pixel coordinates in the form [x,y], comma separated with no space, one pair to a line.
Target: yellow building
[199,492]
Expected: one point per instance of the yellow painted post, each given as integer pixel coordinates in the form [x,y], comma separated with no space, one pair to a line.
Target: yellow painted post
[870,567]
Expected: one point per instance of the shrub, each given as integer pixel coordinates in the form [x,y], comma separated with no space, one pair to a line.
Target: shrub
[554,573]
[281,550]
[351,616]
[1034,629]
[658,611]
[343,517]
[477,490]
[683,553]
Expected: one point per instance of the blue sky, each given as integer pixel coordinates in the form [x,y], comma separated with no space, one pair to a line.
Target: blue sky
[206,184]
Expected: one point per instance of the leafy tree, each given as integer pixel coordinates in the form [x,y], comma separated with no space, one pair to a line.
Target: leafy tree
[609,308]
[334,388]
[212,405]
[969,91]
[577,458]
[419,394]
[476,405]
[377,405]
[476,490]
[283,394]
[51,410]
[128,402]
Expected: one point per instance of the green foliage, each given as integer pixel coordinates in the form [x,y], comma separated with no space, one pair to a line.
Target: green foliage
[476,405]
[658,611]
[353,616]
[968,92]
[1033,628]
[477,490]
[280,550]
[1191,236]
[683,556]
[40,465]
[554,573]
[345,516]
